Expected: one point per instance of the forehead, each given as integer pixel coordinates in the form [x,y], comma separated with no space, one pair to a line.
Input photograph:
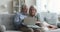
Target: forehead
[32,8]
[24,6]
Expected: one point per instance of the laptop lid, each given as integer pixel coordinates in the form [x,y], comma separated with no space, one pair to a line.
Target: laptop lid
[30,20]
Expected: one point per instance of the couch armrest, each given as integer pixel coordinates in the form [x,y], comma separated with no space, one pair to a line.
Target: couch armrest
[2,28]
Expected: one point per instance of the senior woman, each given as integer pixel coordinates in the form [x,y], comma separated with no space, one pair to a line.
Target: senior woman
[33,13]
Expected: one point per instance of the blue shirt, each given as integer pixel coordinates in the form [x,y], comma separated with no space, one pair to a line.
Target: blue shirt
[18,19]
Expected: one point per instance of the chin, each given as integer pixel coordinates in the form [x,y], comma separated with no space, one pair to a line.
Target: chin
[33,15]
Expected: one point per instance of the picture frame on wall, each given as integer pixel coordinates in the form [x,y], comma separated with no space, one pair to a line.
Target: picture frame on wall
[22,2]
[17,5]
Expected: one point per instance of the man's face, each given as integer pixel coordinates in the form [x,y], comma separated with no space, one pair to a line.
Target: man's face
[25,9]
[32,11]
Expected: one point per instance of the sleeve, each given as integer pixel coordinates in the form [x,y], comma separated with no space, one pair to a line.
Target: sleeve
[45,24]
[17,20]
[38,17]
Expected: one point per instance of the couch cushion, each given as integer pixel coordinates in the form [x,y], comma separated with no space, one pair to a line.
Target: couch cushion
[50,18]
[7,20]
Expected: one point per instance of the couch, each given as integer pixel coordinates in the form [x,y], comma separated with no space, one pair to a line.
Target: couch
[6,23]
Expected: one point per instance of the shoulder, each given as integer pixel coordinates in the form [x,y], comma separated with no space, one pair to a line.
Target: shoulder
[17,14]
[37,14]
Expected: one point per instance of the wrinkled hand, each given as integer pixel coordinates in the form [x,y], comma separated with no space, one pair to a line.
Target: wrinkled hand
[24,25]
[38,22]
[52,27]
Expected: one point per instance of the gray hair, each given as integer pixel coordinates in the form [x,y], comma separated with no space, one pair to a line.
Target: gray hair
[33,7]
[22,6]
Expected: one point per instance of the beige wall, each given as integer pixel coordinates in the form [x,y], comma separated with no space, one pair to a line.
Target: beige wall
[6,5]
[30,2]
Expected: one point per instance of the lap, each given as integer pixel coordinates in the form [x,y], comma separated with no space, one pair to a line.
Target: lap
[26,29]
[29,29]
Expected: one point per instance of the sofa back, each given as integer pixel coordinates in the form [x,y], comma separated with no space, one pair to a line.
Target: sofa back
[7,20]
[51,18]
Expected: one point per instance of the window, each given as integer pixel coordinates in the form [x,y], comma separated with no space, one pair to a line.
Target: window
[48,5]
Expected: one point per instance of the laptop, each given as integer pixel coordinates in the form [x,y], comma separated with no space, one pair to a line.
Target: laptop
[30,22]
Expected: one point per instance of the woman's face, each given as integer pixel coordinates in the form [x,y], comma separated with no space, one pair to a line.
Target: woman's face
[32,11]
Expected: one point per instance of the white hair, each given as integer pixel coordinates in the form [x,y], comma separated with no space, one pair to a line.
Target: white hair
[34,6]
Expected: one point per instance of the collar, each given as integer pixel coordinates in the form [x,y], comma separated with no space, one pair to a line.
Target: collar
[23,13]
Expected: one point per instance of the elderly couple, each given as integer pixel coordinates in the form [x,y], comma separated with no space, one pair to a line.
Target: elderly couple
[19,17]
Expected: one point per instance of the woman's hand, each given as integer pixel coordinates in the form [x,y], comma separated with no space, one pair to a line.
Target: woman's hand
[52,27]
[38,22]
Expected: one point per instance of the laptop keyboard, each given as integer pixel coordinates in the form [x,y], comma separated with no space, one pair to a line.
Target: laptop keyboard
[33,26]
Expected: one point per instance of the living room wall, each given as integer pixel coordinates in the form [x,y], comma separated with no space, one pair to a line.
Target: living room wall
[4,6]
